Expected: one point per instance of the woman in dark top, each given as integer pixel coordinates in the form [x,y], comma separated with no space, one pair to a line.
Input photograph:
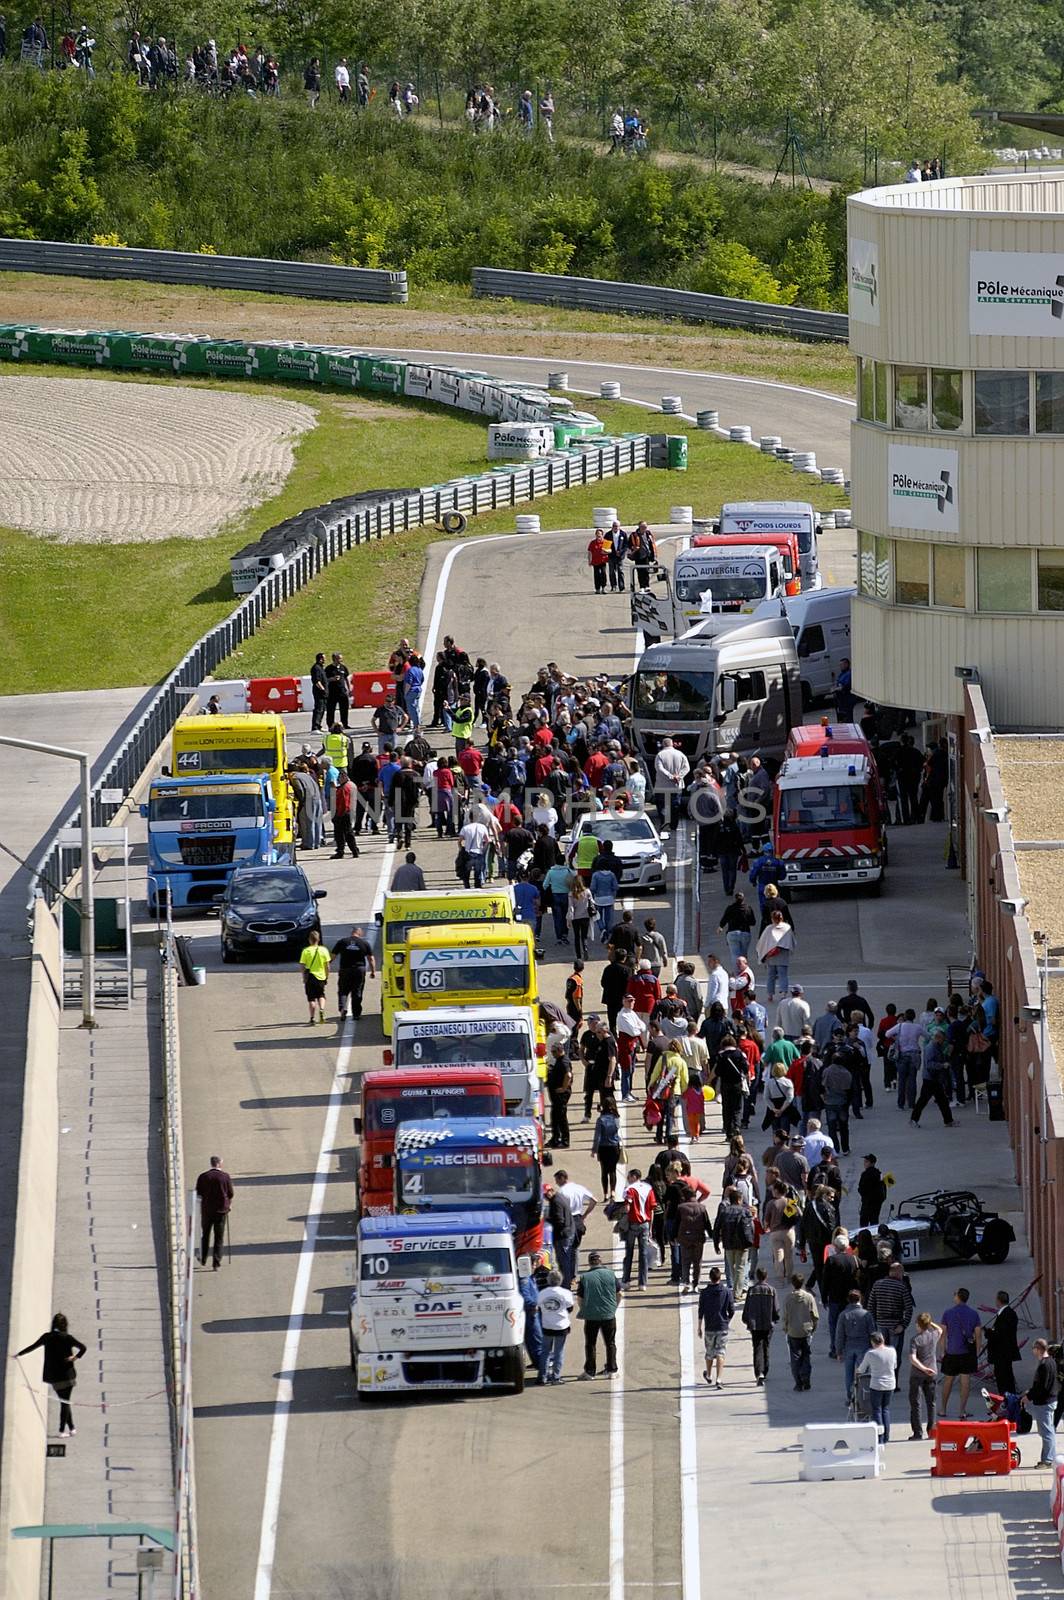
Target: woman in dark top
[61,1351]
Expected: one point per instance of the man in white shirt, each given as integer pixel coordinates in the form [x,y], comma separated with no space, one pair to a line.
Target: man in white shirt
[717,984]
[913,174]
[475,839]
[671,767]
[343,79]
[793,1013]
[815,1143]
[582,1203]
[555,1317]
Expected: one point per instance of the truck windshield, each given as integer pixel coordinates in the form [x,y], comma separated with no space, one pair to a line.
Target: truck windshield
[743,587]
[504,1174]
[666,696]
[622,830]
[496,970]
[233,758]
[384,1114]
[461,1048]
[823,808]
[396,929]
[176,807]
[433,1263]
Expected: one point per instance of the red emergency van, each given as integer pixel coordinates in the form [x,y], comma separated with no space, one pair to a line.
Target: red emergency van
[417,1094]
[829,818]
[827,739]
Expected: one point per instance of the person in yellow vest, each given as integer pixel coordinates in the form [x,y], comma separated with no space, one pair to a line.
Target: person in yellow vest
[587,849]
[337,746]
[462,725]
[315,963]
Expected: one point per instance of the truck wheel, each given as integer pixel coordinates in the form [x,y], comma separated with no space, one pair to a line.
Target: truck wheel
[875,889]
[354,1350]
[994,1245]
[516,1374]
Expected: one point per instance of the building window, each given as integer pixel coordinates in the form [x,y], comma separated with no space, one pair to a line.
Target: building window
[947,400]
[910,398]
[873,566]
[1051,580]
[1049,402]
[872,391]
[1002,402]
[911,587]
[947,567]
[1003,580]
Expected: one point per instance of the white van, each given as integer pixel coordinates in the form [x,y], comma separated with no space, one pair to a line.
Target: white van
[475,1036]
[821,624]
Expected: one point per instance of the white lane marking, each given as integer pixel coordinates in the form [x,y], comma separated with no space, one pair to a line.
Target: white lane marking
[620,366]
[282,1409]
[616,1576]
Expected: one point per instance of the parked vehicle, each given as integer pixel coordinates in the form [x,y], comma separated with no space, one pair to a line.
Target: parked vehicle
[437,1304]
[268,909]
[476,964]
[733,691]
[200,830]
[429,908]
[499,1036]
[829,821]
[705,536]
[795,517]
[821,623]
[414,1094]
[931,1230]
[240,745]
[636,842]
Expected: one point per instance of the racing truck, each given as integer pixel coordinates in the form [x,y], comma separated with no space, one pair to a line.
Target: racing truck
[437,1304]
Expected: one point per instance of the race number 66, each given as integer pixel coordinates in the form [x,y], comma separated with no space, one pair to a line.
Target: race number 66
[429,978]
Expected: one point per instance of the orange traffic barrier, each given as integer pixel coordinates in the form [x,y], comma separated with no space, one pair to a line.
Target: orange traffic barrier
[971,1449]
[274,694]
[370,688]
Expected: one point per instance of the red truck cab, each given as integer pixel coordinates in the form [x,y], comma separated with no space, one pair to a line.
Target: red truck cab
[419,1093]
[785,543]
[829,814]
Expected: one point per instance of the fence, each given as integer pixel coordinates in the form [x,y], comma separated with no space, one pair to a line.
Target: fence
[647,300]
[309,279]
[181,1223]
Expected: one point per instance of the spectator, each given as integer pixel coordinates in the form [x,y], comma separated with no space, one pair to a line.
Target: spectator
[342,77]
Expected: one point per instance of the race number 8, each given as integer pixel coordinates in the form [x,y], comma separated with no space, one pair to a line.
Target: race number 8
[429,978]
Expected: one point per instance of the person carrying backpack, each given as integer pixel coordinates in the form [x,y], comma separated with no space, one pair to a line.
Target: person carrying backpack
[642,553]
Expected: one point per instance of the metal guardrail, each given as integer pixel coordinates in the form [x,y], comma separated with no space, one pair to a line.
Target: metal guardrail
[181,1235]
[392,514]
[308,279]
[647,300]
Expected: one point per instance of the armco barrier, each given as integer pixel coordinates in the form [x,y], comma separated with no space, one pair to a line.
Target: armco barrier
[309,279]
[647,300]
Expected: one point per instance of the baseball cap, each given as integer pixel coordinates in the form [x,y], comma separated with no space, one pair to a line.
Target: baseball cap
[796,988]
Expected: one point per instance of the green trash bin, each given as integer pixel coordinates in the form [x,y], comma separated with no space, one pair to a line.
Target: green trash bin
[677,452]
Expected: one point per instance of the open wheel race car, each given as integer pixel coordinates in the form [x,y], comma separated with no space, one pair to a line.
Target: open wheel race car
[930,1230]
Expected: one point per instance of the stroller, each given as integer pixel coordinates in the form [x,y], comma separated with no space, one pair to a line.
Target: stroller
[859,1409]
[1007,1408]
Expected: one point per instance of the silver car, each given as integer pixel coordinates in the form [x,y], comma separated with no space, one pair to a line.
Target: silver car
[636,844]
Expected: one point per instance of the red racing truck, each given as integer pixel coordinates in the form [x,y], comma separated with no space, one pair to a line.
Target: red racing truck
[418,1094]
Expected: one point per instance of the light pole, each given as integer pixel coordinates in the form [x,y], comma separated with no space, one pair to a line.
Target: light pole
[88,914]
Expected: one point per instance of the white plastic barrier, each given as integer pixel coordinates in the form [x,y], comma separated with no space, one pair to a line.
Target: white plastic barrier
[519,441]
[844,1450]
[232,695]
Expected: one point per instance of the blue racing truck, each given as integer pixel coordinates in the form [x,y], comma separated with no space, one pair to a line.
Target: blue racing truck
[200,829]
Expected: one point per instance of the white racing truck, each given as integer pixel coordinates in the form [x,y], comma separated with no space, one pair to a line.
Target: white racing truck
[437,1304]
[476,1036]
[713,589]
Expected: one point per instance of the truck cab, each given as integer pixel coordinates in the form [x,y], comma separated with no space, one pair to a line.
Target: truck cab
[437,1304]
[466,1163]
[429,1093]
[730,691]
[792,517]
[200,830]
[428,908]
[476,964]
[722,584]
[705,536]
[500,1036]
[829,821]
[241,745]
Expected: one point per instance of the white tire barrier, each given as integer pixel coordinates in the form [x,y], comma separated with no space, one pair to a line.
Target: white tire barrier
[844,519]
[603,516]
[833,475]
[741,434]
[527,522]
[707,419]
[671,404]
[804,461]
[519,441]
[784,453]
[610,391]
[681,516]
[827,520]
[770,443]
[557,380]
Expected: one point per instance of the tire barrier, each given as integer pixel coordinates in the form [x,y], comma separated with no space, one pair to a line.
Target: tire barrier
[741,434]
[527,522]
[610,391]
[453,522]
[770,443]
[707,419]
[557,380]
[671,404]
[603,516]
[681,516]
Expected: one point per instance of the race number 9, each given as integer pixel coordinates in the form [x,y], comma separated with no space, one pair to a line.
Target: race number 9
[429,978]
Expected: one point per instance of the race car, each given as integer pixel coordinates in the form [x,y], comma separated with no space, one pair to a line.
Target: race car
[930,1230]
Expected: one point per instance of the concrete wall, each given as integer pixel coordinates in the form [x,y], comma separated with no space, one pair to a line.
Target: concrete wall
[22,1454]
[1006,953]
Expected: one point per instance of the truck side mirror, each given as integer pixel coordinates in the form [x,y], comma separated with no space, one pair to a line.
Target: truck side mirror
[524,1268]
[143,810]
[358,1127]
[378,917]
[729,694]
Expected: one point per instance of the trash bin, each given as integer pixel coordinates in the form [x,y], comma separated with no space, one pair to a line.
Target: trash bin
[677,452]
[995,1099]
